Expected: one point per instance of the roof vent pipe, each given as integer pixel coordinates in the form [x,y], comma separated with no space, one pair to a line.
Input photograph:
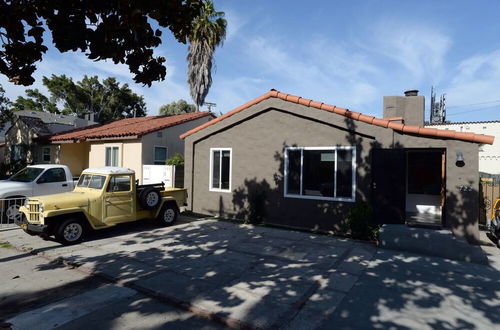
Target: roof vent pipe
[411,92]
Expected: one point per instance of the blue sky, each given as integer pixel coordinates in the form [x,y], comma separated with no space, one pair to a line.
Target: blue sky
[346,53]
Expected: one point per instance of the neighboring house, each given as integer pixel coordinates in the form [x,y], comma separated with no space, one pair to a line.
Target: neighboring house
[489,155]
[27,138]
[130,142]
[299,163]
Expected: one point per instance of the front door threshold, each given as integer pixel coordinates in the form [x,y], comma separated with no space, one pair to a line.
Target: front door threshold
[423,220]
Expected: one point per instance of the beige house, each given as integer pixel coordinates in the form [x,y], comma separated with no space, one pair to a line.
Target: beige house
[130,142]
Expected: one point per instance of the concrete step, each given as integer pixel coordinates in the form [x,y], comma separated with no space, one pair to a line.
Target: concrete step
[438,243]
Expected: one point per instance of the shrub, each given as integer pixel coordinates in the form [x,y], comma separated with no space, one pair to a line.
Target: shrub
[256,207]
[177,159]
[359,222]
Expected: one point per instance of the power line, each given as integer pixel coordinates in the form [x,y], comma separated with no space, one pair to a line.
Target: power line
[474,110]
[471,104]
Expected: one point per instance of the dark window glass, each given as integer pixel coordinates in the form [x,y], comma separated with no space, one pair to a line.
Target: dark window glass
[225,170]
[53,175]
[27,174]
[424,173]
[46,155]
[293,184]
[160,155]
[119,183]
[318,173]
[344,173]
[216,169]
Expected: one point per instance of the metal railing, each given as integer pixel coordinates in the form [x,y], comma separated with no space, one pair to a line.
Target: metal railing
[9,211]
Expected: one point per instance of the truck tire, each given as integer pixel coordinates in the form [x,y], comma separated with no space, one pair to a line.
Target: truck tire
[149,198]
[168,215]
[70,232]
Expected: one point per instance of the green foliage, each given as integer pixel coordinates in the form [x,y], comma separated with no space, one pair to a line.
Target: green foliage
[107,100]
[121,31]
[176,108]
[5,108]
[208,30]
[257,206]
[34,101]
[177,159]
[359,222]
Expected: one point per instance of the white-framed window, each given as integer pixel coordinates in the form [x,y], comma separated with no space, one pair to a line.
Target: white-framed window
[160,155]
[322,173]
[220,169]
[112,156]
[46,154]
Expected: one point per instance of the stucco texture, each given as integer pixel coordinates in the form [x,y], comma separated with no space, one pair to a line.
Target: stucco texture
[258,136]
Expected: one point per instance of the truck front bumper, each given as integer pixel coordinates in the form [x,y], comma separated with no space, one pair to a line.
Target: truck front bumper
[33,228]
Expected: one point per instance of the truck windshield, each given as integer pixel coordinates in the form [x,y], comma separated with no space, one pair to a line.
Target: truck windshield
[27,174]
[91,181]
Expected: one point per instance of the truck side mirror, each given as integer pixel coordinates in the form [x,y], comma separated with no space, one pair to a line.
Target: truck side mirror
[42,180]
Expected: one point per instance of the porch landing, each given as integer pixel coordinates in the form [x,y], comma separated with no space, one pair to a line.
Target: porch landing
[440,243]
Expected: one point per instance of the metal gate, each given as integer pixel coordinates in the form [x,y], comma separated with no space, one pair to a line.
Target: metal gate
[488,193]
[9,211]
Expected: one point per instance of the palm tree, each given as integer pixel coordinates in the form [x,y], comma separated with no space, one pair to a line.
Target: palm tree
[208,31]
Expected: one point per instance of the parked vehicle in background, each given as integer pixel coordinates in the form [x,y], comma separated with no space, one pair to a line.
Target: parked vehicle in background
[494,223]
[32,180]
[103,197]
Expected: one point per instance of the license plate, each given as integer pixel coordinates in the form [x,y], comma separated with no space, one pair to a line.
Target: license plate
[24,226]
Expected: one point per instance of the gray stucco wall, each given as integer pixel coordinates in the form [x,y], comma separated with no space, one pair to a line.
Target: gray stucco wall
[258,136]
[169,138]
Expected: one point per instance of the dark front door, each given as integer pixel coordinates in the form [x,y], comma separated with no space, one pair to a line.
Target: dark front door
[388,186]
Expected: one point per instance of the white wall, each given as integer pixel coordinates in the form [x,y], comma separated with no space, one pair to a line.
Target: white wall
[489,155]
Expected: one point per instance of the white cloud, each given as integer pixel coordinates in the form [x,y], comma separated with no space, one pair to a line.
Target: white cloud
[476,80]
[234,23]
[420,49]
[318,70]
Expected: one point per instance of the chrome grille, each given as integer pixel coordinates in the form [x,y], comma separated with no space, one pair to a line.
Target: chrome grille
[34,209]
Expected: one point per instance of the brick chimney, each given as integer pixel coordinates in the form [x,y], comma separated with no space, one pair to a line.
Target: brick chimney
[411,107]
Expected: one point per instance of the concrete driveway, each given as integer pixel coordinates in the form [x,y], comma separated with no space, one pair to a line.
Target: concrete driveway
[260,277]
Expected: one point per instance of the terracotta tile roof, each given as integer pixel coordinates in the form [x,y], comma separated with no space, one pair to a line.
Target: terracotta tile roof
[128,127]
[382,122]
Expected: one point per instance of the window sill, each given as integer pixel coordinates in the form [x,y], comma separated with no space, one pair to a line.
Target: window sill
[220,190]
[319,198]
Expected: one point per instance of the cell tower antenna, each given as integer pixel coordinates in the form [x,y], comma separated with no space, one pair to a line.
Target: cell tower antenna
[438,109]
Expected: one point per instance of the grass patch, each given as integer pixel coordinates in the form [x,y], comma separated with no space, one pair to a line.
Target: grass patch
[6,245]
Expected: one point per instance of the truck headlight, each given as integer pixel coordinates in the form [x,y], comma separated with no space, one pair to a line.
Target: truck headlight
[41,207]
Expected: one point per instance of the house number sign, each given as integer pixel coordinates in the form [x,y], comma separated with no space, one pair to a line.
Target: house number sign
[465,188]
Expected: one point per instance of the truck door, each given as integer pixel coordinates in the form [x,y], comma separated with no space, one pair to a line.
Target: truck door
[52,181]
[119,203]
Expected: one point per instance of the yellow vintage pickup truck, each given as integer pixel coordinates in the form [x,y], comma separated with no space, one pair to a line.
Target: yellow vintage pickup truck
[103,197]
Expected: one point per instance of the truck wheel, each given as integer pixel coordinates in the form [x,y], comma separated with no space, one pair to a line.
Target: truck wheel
[70,232]
[168,215]
[149,198]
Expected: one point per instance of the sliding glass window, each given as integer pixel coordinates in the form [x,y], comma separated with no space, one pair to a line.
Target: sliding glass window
[324,173]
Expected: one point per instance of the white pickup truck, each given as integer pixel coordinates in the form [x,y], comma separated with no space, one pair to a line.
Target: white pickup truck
[33,180]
